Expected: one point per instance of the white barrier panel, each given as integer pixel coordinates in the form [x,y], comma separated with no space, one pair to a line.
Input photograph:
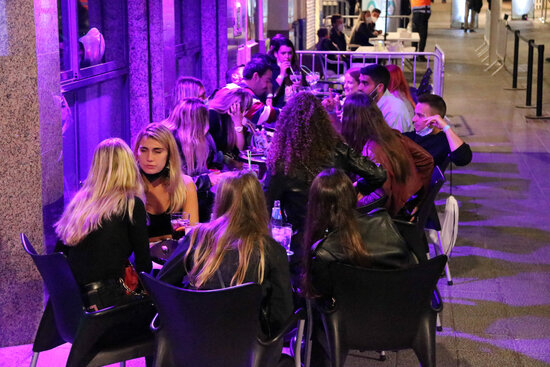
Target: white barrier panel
[332,65]
[502,42]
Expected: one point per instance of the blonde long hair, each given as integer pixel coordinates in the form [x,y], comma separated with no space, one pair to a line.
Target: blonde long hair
[186,87]
[173,182]
[189,120]
[222,103]
[240,221]
[109,191]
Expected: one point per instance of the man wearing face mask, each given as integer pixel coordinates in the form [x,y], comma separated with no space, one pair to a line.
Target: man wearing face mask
[375,15]
[435,135]
[337,32]
[374,81]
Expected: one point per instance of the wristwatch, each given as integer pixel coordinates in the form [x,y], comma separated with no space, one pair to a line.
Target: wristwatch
[239,129]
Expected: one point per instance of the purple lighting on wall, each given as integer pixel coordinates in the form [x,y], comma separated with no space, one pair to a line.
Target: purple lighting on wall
[4,45]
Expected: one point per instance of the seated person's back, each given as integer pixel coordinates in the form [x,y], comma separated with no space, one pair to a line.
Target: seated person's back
[240,228]
[335,232]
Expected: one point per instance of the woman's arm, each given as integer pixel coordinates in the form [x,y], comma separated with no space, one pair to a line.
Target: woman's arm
[372,176]
[139,241]
[191,205]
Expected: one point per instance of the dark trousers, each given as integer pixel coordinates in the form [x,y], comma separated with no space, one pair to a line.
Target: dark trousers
[420,25]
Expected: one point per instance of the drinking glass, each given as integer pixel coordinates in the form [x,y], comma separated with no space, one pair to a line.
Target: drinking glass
[180,221]
[312,78]
[283,235]
[296,77]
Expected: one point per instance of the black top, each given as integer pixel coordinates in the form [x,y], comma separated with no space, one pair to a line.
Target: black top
[158,224]
[381,239]
[292,192]
[438,146]
[103,254]
[363,33]
[219,130]
[326,45]
[277,304]
[338,39]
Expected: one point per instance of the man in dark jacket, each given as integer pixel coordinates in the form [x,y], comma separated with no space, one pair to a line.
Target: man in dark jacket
[337,32]
[435,135]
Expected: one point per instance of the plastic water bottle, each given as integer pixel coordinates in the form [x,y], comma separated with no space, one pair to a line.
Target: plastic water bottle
[276,217]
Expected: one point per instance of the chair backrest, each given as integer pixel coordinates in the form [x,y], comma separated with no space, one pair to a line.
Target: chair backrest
[382,309]
[425,207]
[62,287]
[207,328]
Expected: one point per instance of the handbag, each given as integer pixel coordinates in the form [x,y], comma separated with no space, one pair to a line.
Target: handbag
[131,282]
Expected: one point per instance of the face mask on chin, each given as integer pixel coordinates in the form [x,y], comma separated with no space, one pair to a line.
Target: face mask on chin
[425,131]
[374,93]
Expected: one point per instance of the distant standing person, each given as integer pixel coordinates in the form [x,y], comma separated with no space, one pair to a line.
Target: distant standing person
[421,10]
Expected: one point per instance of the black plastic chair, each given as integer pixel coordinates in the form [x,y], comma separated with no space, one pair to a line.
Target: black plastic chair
[413,231]
[212,327]
[383,310]
[66,320]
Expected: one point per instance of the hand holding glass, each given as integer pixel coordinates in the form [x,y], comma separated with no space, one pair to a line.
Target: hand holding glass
[180,221]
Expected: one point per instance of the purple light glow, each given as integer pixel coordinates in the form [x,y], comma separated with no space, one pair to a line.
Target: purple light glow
[520,290]
[533,348]
[539,256]
[4,46]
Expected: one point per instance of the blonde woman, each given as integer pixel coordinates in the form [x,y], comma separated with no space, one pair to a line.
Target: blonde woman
[235,248]
[167,190]
[104,224]
[228,125]
[187,87]
[199,156]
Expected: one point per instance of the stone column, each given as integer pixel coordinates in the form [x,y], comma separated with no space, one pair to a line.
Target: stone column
[213,43]
[31,193]
[496,5]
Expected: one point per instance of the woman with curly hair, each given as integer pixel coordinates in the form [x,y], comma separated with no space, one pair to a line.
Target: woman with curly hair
[305,143]
[409,166]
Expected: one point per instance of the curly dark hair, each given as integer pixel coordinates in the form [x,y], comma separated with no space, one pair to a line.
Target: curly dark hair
[305,138]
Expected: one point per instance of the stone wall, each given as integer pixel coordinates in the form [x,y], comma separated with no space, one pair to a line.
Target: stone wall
[31,169]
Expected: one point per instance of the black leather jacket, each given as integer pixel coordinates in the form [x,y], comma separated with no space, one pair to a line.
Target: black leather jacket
[381,238]
[292,192]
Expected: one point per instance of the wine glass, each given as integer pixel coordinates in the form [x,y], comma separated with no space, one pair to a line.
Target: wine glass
[296,77]
[180,221]
[312,78]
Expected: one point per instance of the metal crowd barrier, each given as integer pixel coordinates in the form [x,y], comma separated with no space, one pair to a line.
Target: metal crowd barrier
[530,61]
[324,61]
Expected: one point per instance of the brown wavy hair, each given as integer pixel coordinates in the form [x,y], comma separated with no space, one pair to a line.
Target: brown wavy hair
[362,123]
[240,222]
[305,138]
[331,207]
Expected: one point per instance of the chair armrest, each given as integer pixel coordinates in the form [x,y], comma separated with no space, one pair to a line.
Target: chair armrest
[113,310]
[154,328]
[299,314]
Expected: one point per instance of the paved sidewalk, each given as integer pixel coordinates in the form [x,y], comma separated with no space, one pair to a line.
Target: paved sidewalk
[497,313]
